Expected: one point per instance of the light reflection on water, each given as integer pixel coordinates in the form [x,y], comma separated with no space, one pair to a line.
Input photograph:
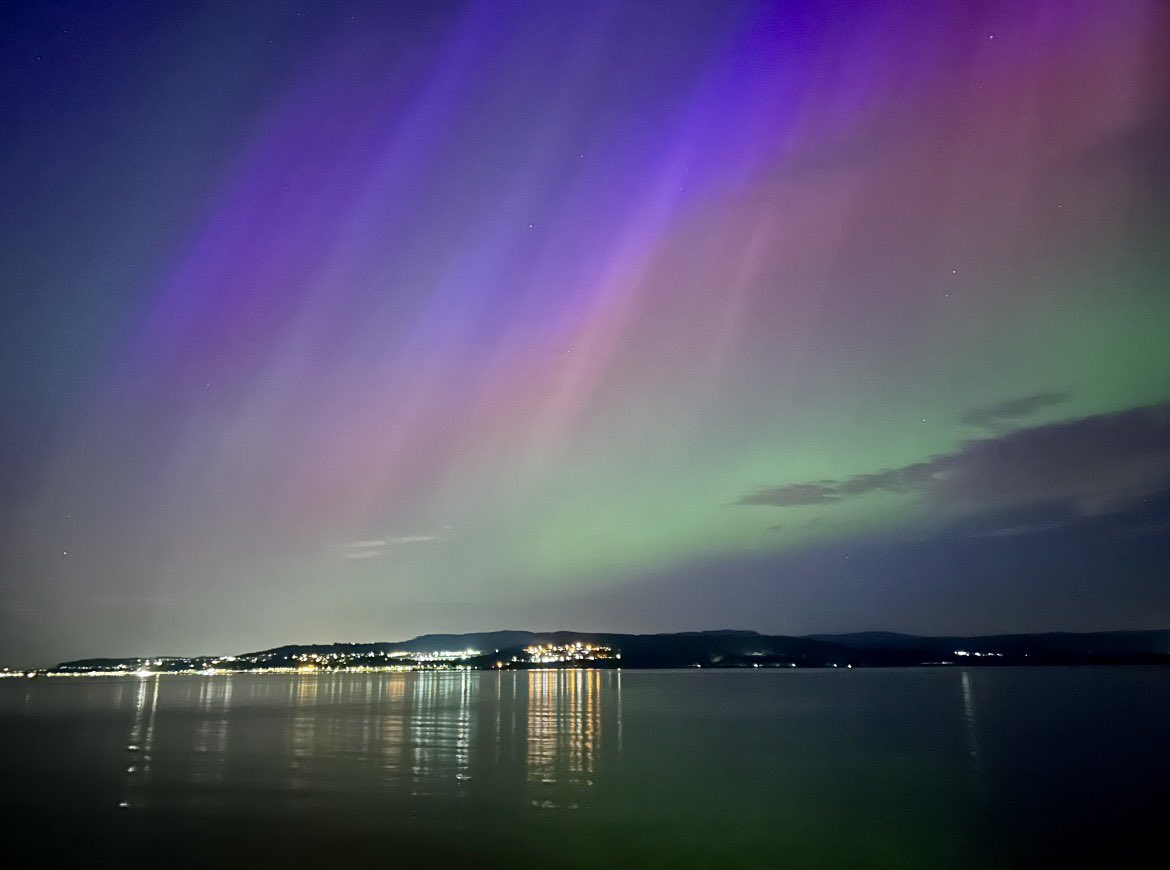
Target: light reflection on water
[971,723]
[141,744]
[597,768]
[425,735]
[564,730]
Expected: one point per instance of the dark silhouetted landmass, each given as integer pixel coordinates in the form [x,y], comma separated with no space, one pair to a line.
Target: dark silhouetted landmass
[702,649]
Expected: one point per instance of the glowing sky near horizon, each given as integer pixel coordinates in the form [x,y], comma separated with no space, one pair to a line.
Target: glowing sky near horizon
[355,321]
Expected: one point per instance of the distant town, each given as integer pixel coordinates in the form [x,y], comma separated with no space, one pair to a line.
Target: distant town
[338,657]
[520,650]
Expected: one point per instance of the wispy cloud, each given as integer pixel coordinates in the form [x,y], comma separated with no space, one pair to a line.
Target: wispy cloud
[369,549]
[373,548]
[1013,531]
[1094,465]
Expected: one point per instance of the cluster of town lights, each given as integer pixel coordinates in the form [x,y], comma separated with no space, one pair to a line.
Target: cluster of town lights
[549,654]
[365,661]
[268,663]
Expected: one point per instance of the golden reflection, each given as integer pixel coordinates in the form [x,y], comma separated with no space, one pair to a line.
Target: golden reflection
[391,724]
[536,736]
[396,688]
[303,699]
[565,732]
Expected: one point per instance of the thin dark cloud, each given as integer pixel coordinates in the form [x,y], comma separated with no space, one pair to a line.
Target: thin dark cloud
[904,479]
[794,494]
[1013,410]
[1026,570]
[1090,466]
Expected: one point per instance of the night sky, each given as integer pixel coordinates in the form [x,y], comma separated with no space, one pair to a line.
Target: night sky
[345,321]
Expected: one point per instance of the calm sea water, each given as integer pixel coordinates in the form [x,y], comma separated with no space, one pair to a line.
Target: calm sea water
[860,768]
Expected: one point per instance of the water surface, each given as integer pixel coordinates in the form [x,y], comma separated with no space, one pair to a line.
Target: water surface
[881,768]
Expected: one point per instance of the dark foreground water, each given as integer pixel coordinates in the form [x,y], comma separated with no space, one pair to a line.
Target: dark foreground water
[860,768]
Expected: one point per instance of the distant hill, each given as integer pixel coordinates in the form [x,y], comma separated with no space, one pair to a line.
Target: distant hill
[726,648]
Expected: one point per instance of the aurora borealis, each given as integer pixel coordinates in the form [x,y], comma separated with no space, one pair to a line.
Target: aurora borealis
[346,321]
